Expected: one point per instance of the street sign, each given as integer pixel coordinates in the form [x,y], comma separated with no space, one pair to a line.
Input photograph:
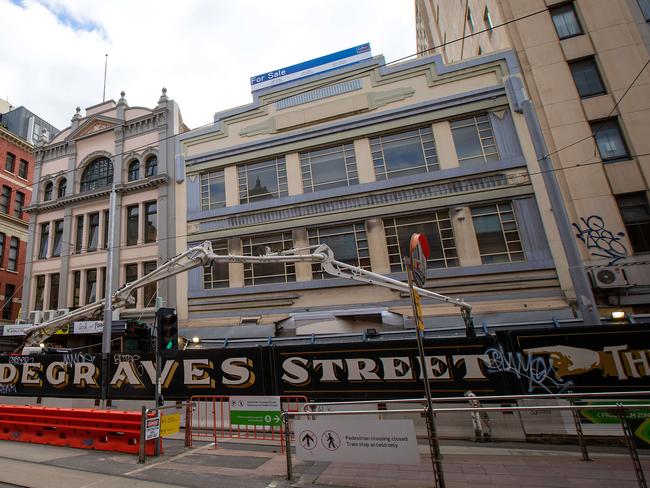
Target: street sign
[598,416]
[419,252]
[359,441]
[152,430]
[255,410]
[170,424]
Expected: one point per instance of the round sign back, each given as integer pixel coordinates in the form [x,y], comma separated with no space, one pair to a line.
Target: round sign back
[419,252]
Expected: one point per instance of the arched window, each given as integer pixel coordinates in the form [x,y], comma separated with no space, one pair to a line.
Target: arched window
[151,168]
[134,170]
[98,174]
[47,193]
[60,192]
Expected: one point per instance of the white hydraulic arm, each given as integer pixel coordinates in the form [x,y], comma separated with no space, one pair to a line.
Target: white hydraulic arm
[203,254]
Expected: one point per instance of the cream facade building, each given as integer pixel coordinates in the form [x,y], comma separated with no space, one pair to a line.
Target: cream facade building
[359,158]
[112,143]
[578,60]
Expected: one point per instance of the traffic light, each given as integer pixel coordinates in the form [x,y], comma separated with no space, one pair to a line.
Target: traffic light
[167,328]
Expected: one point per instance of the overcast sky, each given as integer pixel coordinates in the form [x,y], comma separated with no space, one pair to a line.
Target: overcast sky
[202,51]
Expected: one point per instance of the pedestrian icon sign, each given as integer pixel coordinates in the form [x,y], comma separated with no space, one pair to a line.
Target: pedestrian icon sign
[331,440]
[307,439]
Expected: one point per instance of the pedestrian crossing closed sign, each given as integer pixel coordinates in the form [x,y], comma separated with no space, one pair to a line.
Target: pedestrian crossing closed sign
[360,440]
[255,410]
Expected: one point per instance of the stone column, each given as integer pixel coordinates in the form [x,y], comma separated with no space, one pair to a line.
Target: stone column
[445,146]
[465,237]
[235,270]
[294,174]
[365,167]
[379,260]
[301,239]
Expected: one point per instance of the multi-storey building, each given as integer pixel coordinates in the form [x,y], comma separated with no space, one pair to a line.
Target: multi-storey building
[27,125]
[584,66]
[15,182]
[112,145]
[359,158]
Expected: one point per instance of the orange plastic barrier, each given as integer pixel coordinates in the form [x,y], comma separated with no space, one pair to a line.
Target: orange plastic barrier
[104,430]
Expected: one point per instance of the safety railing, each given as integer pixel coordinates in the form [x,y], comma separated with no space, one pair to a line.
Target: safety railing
[210,420]
[147,415]
[618,410]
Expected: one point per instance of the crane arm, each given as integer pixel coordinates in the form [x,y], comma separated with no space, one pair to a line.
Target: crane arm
[203,254]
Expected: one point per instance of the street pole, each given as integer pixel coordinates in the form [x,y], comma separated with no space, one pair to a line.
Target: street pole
[436,458]
[108,294]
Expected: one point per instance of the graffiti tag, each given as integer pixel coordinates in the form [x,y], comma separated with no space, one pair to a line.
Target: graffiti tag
[601,242]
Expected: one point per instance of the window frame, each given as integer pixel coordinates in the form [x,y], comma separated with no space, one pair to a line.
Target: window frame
[276,241]
[47,191]
[79,234]
[5,199]
[596,127]
[76,288]
[570,5]
[91,297]
[14,253]
[320,235]
[127,268]
[473,120]
[638,247]
[150,290]
[57,244]
[61,188]
[509,242]
[54,297]
[3,241]
[39,292]
[206,181]
[96,175]
[151,166]
[281,180]
[150,231]
[308,159]
[19,204]
[380,145]
[92,237]
[644,6]
[133,172]
[209,281]
[10,162]
[487,20]
[132,224]
[23,168]
[592,60]
[45,240]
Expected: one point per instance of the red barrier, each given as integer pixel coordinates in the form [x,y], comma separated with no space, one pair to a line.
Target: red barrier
[104,430]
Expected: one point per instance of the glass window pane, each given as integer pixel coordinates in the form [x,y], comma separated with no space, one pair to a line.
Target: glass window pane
[93,231]
[587,78]
[54,291]
[404,153]
[215,275]
[609,139]
[635,212]
[132,223]
[91,286]
[45,239]
[263,273]
[58,238]
[131,274]
[150,289]
[12,261]
[151,222]
[565,20]
[40,291]
[645,9]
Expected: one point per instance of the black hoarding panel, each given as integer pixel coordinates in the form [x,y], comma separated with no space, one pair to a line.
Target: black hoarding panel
[386,369]
[57,375]
[209,372]
[577,359]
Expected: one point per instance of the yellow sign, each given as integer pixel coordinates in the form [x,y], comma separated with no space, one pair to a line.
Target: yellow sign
[170,424]
[64,330]
[418,310]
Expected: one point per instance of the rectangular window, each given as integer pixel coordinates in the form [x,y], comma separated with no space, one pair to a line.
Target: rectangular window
[40,291]
[609,139]
[103,282]
[150,289]
[107,216]
[93,231]
[12,261]
[215,275]
[10,291]
[635,212]
[404,153]
[76,288]
[438,231]
[470,21]
[260,181]
[587,78]
[348,242]
[645,9]
[132,221]
[45,240]
[474,141]
[54,291]
[20,203]
[150,222]
[10,162]
[79,238]
[213,190]
[131,272]
[497,234]
[91,286]
[4,199]
[565,20]
[263,273]
[2,249]
[58,238]
[333,167]
[487,19]
[22,168]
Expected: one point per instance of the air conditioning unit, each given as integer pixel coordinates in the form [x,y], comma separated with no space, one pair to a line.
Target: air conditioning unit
[36,317]
[62,311]
[608,277]
[49,315]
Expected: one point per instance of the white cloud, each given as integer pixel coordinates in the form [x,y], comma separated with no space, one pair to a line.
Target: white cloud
[203,51]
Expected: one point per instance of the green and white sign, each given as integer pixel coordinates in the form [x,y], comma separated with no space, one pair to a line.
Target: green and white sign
[255,410]
[607,417]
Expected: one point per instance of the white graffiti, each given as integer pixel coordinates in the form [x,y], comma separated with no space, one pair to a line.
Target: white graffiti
[133,360]
[78,357]
[20,359]
[535,369]
[7,389]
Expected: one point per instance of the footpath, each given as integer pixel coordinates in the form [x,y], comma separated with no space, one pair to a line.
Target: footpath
[240,464]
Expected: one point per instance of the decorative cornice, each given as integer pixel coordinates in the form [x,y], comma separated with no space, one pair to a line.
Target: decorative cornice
[132,186]
[16,140]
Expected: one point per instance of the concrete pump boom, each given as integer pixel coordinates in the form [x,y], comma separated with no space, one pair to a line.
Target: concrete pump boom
[203,254]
